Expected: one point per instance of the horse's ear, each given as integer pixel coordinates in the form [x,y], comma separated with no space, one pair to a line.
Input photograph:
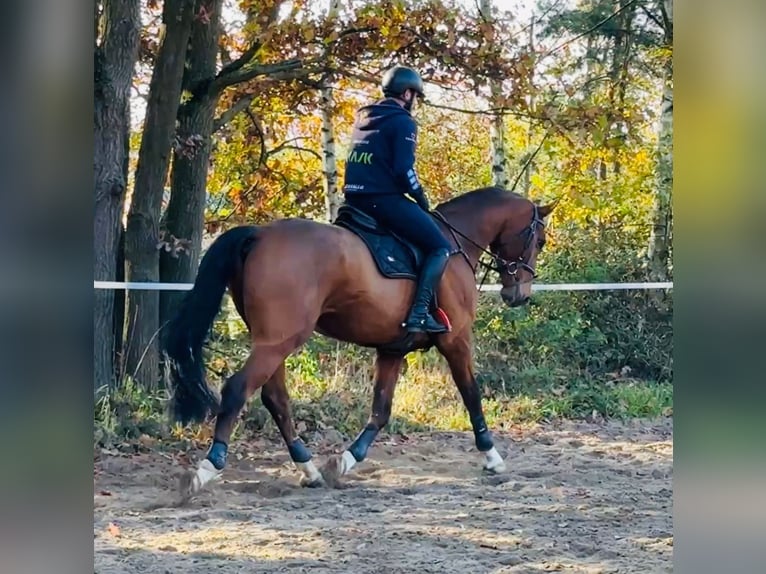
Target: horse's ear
[545,210]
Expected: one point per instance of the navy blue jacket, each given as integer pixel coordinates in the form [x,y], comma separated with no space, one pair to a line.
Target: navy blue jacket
[382,155]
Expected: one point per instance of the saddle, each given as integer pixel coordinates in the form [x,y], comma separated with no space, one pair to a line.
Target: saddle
[395,257]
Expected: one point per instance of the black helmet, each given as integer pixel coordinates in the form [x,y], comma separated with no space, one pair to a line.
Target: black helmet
[400,78]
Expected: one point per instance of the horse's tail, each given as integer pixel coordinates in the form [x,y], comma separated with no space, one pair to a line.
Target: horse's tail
[193,400]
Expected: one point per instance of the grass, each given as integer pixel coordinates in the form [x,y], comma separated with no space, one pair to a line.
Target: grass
[336,392]
[568,359]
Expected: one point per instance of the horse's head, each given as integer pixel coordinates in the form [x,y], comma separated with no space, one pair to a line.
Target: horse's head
[515,250]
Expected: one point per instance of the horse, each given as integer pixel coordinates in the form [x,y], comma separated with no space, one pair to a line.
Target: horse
[294,277]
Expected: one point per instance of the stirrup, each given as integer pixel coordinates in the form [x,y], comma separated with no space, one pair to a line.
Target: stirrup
[428,324]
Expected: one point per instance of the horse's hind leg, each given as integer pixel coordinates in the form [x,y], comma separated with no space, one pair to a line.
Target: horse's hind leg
[277,401]
[457,351]
[387,369]
[258,369]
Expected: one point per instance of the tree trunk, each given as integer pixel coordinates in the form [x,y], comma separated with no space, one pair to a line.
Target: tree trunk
[185,215]
[527,164]
[660,242]
[142,234]
[333,198]
[184,219]
[497,142]
[115,60]
[120,296]
[497,127]
[618,73]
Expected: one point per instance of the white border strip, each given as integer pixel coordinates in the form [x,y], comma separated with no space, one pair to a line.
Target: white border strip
[588,286]
[542,287]
[142,286]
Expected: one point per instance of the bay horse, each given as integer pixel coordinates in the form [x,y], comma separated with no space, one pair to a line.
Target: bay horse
[293,277]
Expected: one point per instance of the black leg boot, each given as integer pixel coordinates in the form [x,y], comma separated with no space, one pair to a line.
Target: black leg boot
[420,318]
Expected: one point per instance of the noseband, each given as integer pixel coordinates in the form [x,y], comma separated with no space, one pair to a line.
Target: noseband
[522,263]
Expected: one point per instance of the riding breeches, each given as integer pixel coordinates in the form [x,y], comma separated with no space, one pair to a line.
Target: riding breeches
[404,217]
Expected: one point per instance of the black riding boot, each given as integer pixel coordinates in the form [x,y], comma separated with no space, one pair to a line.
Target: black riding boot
[420,318]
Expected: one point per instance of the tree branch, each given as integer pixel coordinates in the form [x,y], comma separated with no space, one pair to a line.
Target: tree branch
[231,113]
[246,56]
[537,20]
[367,78]
[283,147]
[286,144]
[253,49]
[259,128]
[223,81]
[529,160]
[480,11]
[487,112]
[592,28]
[362,30]
[668,21]
[651,16]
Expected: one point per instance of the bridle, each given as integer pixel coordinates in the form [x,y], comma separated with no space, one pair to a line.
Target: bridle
[498,263]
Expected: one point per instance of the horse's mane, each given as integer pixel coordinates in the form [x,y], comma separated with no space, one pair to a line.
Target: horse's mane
[466,201]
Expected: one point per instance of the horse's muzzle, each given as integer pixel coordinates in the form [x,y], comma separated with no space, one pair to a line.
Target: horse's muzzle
[515,301]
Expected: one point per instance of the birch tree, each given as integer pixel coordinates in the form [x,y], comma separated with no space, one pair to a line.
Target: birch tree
[333,197]
[497,125]
[526,161]
[662,216]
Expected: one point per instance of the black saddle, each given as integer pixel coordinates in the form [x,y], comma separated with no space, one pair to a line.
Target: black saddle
[395,257]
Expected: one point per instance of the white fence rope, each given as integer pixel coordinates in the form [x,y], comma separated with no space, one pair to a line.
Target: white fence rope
[535,287]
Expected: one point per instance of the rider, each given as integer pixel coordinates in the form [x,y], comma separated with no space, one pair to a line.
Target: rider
[380,174]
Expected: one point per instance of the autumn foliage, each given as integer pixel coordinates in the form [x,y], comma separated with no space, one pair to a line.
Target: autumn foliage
[580,94]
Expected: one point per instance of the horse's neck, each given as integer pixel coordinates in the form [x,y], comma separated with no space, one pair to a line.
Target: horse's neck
[478,226]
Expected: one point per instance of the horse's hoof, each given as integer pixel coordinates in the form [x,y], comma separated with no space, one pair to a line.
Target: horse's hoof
[186,485]
[332,471]
[493,463]
[307,482]
[496,469]
[191,482]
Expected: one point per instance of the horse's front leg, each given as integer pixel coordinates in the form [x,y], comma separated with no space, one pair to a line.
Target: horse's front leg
[457,351]
[387,370]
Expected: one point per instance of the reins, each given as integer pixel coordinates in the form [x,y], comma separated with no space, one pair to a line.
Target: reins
[498,263]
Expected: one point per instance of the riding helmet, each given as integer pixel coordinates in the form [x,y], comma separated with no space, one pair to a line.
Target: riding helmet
[400,78]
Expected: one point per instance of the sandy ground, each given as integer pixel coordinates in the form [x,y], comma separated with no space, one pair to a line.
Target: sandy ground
[578,497]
